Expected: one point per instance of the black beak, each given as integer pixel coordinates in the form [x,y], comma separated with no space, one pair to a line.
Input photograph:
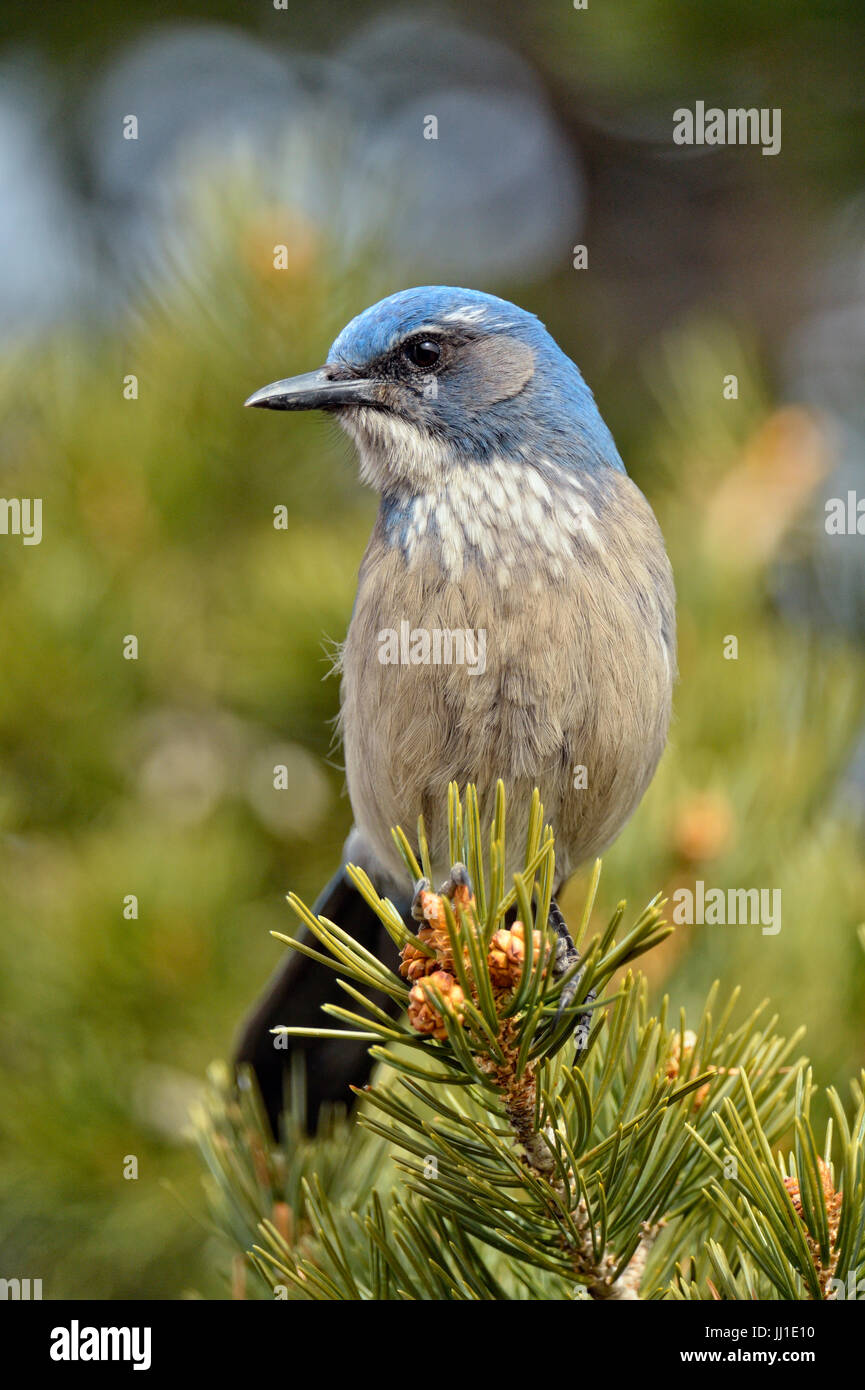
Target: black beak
[321,390]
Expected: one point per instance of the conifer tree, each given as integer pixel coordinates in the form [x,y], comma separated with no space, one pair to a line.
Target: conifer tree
[494,1157]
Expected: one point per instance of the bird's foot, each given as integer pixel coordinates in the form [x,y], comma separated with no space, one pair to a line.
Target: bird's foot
[566,960]
[457,887]
[421,888]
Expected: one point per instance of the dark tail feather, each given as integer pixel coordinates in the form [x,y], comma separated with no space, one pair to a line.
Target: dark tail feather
[294,996]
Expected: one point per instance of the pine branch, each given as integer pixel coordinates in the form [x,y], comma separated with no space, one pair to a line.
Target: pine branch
[795,1230]
[486,1161]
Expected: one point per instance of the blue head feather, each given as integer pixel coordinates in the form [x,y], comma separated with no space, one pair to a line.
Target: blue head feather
[505,387]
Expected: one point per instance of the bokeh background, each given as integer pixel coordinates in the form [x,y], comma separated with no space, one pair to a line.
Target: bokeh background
[303,128]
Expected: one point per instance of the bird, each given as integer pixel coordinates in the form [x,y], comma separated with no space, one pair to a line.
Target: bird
[507,520]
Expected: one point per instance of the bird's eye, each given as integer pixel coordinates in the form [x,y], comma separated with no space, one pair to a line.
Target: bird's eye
[424,352]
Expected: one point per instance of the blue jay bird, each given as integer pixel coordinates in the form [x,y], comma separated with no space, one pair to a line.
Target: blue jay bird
[505,512]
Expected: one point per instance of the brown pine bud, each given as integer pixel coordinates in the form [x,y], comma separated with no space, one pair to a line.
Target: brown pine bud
[678,1055]
[507,955]
[463,897]
[831,1197]
[415,962]
[283,1220]
[431,907]
[680,1061]
[423,1015]
[833,1201]
[434,933]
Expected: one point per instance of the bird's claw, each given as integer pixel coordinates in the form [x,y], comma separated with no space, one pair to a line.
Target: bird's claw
[457,887]
[458,878]
[582,1023]
[421,887]
[566,958]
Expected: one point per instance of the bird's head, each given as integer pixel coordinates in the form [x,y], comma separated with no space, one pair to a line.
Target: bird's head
[435,379]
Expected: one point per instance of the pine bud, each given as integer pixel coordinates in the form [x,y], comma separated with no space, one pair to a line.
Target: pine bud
[680,1060]
[416,963]
[508,953]
[423,1015]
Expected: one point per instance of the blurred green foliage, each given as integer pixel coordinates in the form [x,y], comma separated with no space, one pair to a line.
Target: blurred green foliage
[154,777]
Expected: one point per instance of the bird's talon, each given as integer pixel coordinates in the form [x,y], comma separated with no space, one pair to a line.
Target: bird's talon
[582,1024]
[457,886]
[422,886]
[565,960]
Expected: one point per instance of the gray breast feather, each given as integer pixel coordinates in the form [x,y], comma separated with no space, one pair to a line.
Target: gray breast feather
[579,652]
